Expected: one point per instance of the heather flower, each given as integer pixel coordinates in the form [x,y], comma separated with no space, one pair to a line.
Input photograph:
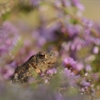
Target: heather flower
[45,34]
[41,42]
[78,43]
[70,77]
[66,3]
[49,32]
[52,71]
[79,66]
[68,73]
[35,2]
[39,39]
[90,39]
[85,83]
[57,3]
[69,63]
[6,72]
[88,68]
[95,50]
[8,37]
[72,30]
[66,46]
[13,64]
[87,23]
[77,4]
[73,66]
[96,26]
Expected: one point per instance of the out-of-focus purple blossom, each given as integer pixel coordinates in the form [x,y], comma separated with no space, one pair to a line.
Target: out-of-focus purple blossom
[66,3]
[59,96]
[89,58]
[77,4]
[39,39]
[71,77]
[95,76]
[52,71]
[95,50]
[35,2]
[72,30]
[6,72]
[88,68]
[45,34]
[79,66]
[96,26]
[10,27]
[8,37]
[13,64]
[92,40]
[87,23]
[78,43]
[85,83]
[57,3]
[69,63]
[66,46]
[49,32]
[68,73]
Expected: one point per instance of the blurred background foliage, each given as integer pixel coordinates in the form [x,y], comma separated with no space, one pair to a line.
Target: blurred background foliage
[91,9]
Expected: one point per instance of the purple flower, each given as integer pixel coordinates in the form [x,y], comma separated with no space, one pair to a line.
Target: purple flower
[85,83]
[72,65]
[79,66]
[35,2]
[45,34]
[68,73]
[6,72]
[70,76]
[88,68]
[77,4]
[69,63]
[72,30]
[95,50]
[52,71]
[78,43]
[87,23]
[90,39]
[8,37]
